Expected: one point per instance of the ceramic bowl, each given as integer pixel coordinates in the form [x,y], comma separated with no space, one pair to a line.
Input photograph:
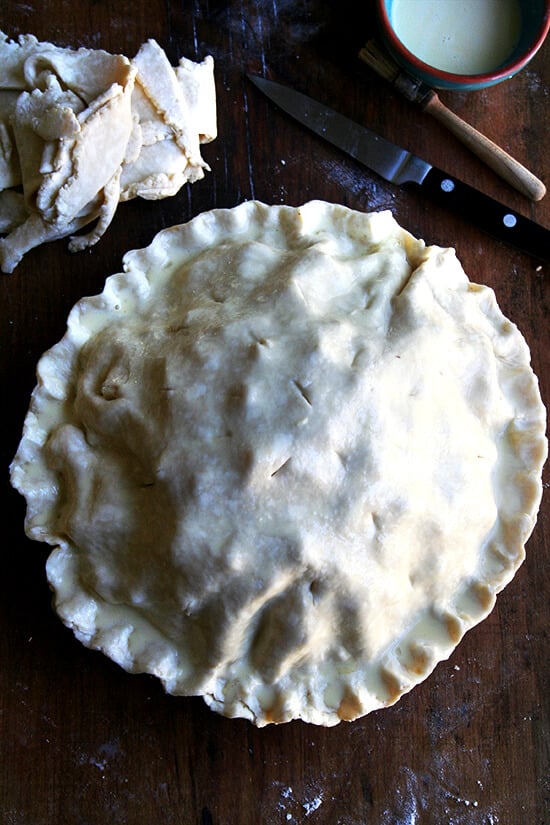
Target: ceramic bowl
[533,20]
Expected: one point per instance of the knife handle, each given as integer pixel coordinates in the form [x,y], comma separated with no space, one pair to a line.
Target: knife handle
[490,215]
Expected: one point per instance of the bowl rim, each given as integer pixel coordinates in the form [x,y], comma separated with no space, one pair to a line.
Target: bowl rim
[505,71]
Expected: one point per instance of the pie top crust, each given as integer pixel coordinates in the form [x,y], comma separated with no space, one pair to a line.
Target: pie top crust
[285,459]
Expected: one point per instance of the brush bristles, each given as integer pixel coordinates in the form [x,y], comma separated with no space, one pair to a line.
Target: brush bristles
[383,63]
[379,60]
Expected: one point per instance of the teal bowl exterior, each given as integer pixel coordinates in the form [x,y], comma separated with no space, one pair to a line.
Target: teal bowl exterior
[535,16]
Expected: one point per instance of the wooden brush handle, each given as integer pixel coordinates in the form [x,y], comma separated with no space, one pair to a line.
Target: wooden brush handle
[502,163]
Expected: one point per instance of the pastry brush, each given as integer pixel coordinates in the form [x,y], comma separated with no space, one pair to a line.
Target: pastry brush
[418,92]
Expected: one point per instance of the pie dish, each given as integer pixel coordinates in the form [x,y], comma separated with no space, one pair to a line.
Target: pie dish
[285,460]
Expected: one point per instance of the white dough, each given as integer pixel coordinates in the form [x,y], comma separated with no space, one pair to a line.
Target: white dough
[285,460]
[82,130]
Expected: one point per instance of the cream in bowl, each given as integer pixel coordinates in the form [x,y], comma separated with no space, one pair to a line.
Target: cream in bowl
[464,44]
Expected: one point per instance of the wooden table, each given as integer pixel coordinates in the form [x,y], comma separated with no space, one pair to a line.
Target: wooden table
[84,743]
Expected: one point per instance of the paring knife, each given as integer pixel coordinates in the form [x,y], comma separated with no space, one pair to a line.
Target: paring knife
[401,167]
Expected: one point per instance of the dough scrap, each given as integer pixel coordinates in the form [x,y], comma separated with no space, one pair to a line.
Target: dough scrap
[82,130]
[285,460]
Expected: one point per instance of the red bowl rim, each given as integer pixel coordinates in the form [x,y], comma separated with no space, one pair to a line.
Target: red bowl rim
[486,77]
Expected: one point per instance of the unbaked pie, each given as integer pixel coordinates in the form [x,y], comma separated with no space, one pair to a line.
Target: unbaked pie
[285,459]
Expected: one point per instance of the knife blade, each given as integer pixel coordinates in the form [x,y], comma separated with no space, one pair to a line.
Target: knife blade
[401,167]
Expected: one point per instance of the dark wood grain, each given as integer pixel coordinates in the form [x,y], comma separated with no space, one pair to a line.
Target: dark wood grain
[84,743]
